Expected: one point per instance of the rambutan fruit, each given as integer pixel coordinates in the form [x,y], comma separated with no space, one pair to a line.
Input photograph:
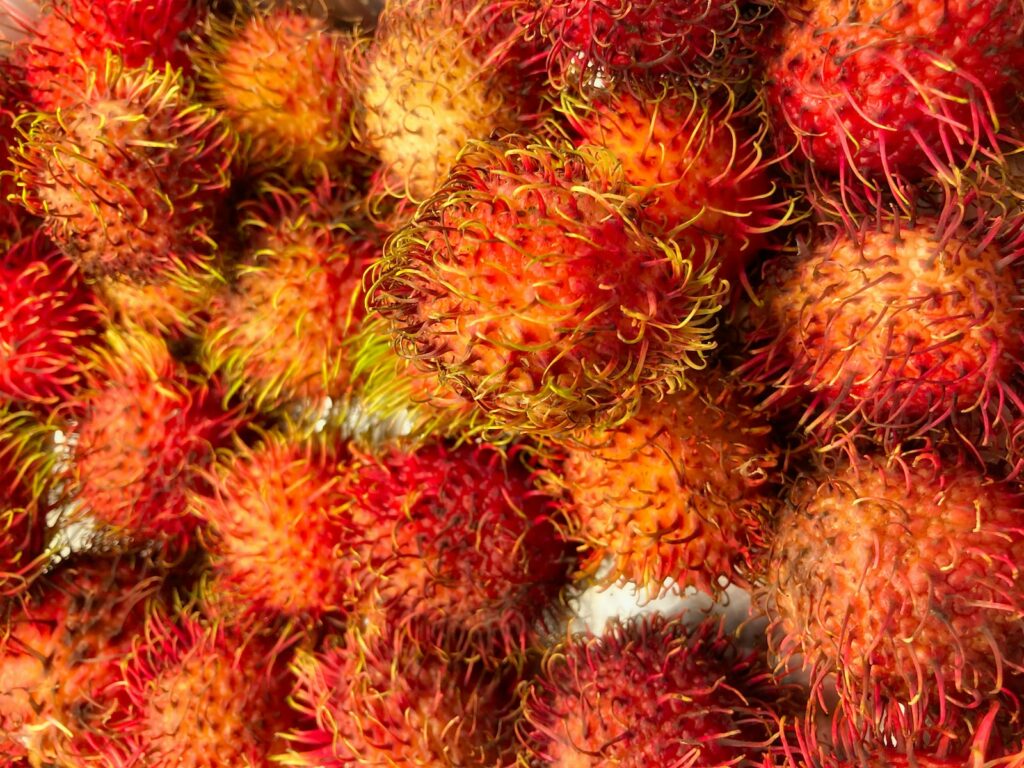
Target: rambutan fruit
[896,581]
[128,179]
[48,322]
[60,652]
[283,79]
[196,694]
[425,93]
[269,508]
[526,285]
[700,169]
[393,399]
[26,465]
[894,328]
[458,537]
[65,47]
[649,692]
[175,310]
[878,94]
[278,331]
[684,490]
[140,434]
[612,39]
[398,699]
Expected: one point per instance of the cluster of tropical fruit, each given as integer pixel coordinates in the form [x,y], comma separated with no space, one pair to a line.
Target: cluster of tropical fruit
[334,357]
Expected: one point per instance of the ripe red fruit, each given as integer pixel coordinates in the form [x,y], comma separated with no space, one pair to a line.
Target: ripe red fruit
[882,94]
[66,46]
[636,38]
[894,329]
[143,430]
[898,580]
[48,322]
[526,285]
[459,536]
[397,699]
[130,176]
[649,692]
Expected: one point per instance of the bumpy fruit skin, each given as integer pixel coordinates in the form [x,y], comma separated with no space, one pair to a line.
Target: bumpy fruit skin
[893,330]
[284,81]
[60,652]
[458,537]
[699,167]
[278,332]
[142,432]
[26,463]
[684,490]
[648,692]
[66,47]
[635,38]
[424,94]
[879,94]
[128,179]
[200,695]
[398,699]
[525,284]
[48,322]
[270,508]
[898,580]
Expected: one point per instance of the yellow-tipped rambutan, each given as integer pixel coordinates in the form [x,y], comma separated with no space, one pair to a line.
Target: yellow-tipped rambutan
[684,490]
[425,92]
[278,331]
[283,79]
[129,178]
[398,699]
[526,284]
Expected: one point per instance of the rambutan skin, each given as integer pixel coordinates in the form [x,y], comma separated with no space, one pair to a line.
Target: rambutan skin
[457,537]
[397,698]
[897,578]
[128,179]
[684,490]
[525,284]
[66,47]
[697,160]
[882,95]
[143,430]
[648,692]
[893,330]
[48,322]
[269,508]
[284,81]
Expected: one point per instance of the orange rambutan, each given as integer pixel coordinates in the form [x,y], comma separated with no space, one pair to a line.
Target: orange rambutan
[890,328]
[698,164]
[129,177]
[269,508]
[398,699]
[895,580]
[283,79]
[527,286]
[683,491]
[140,434]
[278,331]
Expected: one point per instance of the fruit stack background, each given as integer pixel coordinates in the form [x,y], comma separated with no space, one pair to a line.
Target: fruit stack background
[358,362]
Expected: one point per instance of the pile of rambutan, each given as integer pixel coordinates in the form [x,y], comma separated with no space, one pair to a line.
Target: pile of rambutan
[511,383]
